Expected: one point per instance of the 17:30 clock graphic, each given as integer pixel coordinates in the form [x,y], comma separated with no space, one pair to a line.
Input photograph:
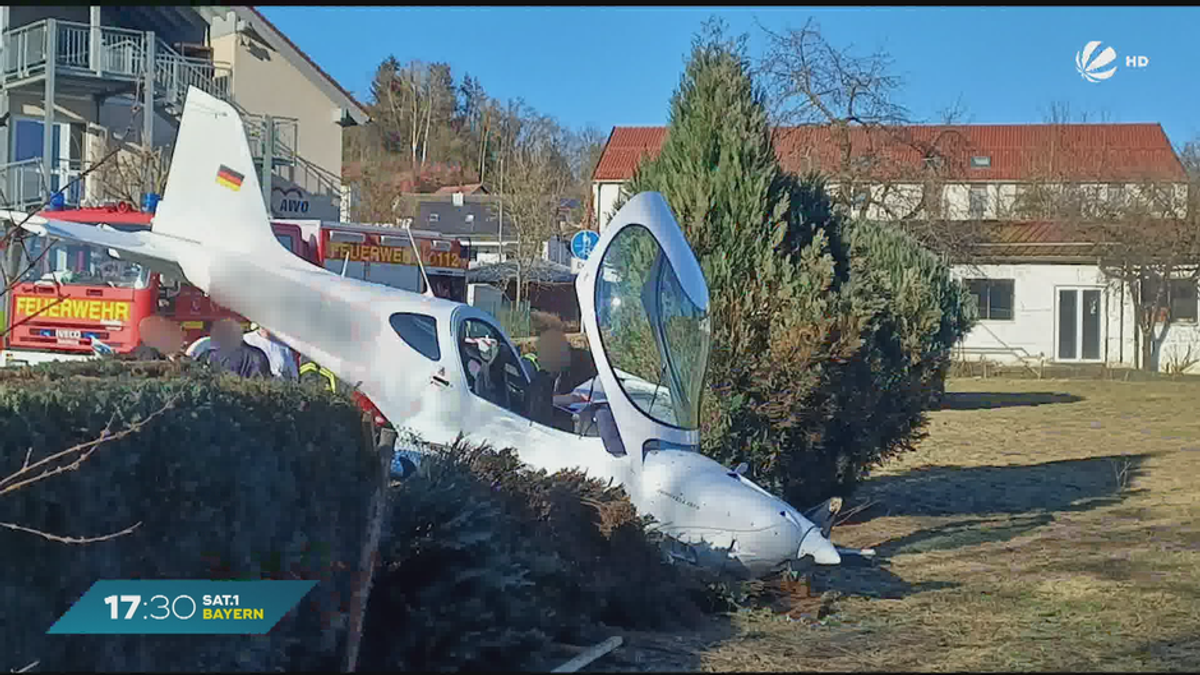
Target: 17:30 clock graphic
[169,606]
[178,606]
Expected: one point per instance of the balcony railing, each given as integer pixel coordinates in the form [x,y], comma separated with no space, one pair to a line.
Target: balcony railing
[110,53]
[287,137]
[25,184]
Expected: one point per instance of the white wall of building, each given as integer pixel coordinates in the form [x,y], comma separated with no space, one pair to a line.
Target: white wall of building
[1032,333]
[604,198]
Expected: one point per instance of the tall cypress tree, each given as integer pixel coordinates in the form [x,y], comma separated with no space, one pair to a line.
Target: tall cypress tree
[771,274]
[827,336]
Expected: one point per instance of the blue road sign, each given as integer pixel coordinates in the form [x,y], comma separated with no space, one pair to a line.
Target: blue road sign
[583,242]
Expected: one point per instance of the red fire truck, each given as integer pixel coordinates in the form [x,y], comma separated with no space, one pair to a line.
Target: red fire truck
[78,293]
[385,255]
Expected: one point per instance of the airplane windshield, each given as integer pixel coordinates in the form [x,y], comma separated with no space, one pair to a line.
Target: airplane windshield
[651,329]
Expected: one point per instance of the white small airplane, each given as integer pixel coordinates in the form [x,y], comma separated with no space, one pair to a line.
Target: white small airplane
[438,367]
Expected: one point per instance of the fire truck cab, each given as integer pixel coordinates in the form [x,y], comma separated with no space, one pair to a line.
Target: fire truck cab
[75,294]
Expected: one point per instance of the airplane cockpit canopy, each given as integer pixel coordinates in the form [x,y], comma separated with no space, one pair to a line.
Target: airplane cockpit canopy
[652,328]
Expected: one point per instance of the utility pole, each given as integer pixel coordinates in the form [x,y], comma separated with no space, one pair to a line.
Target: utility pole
[500,237]
[50,163]
[268,162]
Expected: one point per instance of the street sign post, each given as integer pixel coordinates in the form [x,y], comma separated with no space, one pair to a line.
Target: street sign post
[583,242]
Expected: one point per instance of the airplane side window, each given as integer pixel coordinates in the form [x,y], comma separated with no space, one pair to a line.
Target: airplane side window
[493,371]
[419,332]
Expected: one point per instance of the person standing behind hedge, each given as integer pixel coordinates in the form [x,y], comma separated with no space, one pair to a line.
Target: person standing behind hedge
[281,357]
[161,340]
[231,354]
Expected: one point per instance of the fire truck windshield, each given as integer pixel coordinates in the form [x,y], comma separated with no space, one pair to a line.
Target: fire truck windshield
[73,264]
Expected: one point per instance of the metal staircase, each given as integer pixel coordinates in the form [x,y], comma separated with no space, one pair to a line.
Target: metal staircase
[105,59]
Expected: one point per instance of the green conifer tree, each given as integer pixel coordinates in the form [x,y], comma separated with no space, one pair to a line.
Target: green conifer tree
[828,336]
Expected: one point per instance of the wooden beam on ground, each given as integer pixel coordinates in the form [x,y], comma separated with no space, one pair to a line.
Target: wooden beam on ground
[590,655]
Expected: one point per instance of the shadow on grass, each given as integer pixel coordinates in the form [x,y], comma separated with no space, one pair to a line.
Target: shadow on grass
[962,533]
[962,400]
[1060,486]
[1179,653]
[869,578]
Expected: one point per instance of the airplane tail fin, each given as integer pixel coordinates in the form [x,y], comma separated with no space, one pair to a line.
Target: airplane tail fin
[213,196]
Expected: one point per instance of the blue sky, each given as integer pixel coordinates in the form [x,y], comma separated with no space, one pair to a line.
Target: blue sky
[611,66]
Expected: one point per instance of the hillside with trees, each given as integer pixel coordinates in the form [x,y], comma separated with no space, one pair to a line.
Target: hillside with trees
[430,129]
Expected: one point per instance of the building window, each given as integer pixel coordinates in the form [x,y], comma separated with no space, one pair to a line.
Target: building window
[977,202]
[1116,194]
[981,162]
[1183,300]
[994,297]
[433,217]
[1180,300]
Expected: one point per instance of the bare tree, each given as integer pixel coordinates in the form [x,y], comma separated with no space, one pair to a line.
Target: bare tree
[1149,244]
[881,165]
[537,179]
[132,170]
[1145,233]
[379,194]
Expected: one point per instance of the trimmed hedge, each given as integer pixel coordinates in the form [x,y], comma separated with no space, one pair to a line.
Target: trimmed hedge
[242,479]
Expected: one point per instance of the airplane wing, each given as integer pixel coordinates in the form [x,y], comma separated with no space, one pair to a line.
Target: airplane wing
[152,250]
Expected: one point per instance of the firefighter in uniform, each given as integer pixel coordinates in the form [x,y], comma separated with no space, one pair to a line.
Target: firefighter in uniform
[311,371]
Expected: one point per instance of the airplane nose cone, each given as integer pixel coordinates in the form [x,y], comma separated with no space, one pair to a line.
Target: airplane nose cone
[820,548]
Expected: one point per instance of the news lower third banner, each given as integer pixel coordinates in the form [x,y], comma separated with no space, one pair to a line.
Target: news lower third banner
[181,607]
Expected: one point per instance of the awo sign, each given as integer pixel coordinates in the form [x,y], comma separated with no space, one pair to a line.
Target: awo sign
[290,202]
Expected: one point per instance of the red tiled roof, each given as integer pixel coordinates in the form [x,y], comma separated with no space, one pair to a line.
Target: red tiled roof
[1018,152]
[1031,239]
[306,57]
[624,150]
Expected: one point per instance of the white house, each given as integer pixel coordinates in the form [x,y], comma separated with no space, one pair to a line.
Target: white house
[1041,292]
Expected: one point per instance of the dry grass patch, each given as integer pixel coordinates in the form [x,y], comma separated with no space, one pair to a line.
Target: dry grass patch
[1044,525]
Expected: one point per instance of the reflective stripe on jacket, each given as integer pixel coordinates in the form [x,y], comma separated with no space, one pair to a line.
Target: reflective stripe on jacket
[313,369]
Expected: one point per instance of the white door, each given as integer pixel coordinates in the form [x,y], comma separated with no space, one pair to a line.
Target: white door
[1079,324]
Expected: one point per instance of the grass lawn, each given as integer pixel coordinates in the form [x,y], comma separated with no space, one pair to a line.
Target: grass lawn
[1042,525]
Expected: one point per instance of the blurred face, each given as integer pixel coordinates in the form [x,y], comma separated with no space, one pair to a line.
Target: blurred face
[226,334]
[161,333]
[554,352]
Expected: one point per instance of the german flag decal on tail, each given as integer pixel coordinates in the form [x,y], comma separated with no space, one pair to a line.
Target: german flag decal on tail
[229,178]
